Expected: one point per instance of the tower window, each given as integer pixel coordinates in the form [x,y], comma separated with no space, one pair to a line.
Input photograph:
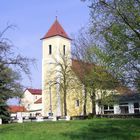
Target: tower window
[64,49]
[50,49]
[77,103]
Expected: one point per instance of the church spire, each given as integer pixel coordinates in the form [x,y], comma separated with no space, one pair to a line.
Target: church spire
[56,30]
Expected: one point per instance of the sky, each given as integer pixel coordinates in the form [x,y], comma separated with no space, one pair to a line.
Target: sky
[32,19]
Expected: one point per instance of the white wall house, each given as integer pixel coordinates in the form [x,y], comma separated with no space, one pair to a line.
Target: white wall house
[15,110]
[125,104]
[32,101]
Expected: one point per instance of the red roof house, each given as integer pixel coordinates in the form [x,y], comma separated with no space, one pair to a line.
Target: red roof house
[32,100]
[15,109]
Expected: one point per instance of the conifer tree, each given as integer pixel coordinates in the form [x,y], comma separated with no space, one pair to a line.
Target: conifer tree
[11,66]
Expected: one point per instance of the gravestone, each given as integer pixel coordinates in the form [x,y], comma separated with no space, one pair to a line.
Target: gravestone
[19,117]
[0,121]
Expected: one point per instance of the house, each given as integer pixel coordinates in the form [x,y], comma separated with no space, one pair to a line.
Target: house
[15,110]
[124,104]
[32,101]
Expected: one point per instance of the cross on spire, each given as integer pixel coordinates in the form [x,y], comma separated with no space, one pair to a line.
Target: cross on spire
[56,14]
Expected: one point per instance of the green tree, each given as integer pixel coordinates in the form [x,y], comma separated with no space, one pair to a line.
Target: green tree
[11,66]
[82,53]
[116,25]
[93,73]
[9,87]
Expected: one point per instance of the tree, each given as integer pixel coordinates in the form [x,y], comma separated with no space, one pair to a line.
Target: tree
[64,79]
[11,66]
[82,53]
[9,87]
[116,24]
[93,72]
[81,70]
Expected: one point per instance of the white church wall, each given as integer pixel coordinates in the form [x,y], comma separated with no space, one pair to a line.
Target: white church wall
[49,64]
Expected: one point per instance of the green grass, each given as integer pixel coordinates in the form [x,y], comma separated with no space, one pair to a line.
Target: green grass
[94,129]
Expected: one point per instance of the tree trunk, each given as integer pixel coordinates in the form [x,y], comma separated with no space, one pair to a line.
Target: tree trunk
[65,104]
[93,104]
[85,102]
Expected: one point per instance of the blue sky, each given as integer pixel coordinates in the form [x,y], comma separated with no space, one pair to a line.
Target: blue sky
[33,19]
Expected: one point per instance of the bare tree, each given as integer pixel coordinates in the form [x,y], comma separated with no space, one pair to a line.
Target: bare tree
[65,78]
[11,66]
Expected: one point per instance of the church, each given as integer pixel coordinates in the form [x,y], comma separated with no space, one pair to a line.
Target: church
[57,66]
[63,92]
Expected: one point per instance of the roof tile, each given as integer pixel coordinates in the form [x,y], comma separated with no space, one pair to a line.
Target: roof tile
[56,30]
[35,91]
[14,109]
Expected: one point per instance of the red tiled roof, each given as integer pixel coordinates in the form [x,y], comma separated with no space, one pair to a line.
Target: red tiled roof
[39,101]
[81,68]
[14,109]
[56,30]
[35,91]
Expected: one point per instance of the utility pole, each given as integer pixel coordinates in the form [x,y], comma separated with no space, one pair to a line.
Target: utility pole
[50,98]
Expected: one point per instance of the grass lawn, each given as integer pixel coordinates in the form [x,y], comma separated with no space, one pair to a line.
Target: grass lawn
[94,129]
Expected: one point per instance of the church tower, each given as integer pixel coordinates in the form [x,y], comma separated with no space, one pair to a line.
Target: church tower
[55,44]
